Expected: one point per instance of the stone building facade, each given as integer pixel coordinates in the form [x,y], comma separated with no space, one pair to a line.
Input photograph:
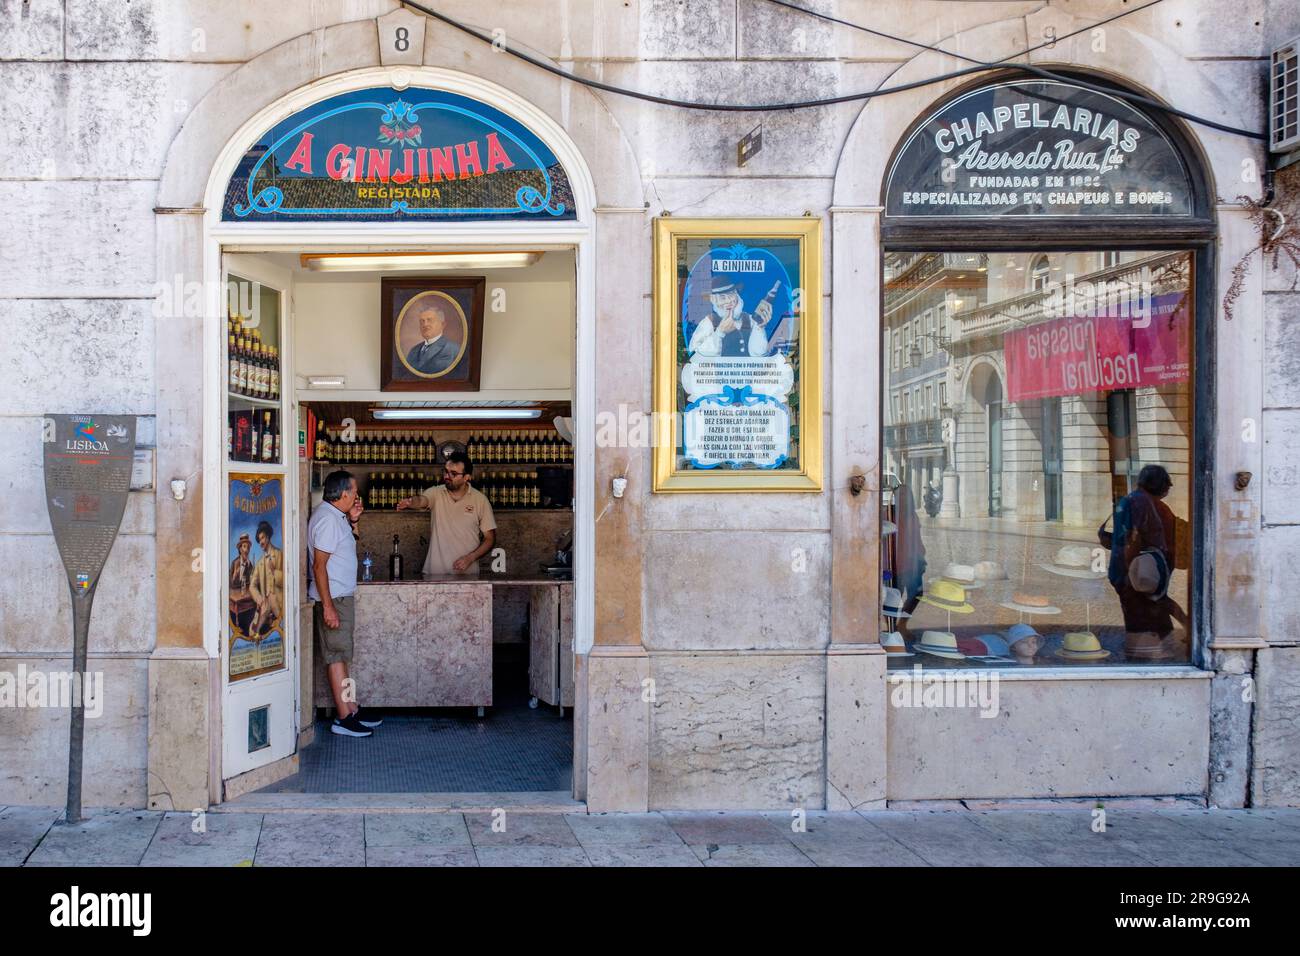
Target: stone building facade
[117,121]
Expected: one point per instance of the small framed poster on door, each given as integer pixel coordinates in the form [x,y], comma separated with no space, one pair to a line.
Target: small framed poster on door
[737,306]
[255,557]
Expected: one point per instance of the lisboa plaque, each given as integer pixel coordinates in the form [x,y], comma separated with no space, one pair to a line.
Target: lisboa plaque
[88,461]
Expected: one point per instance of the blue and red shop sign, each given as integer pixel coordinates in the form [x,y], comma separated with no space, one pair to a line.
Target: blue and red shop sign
[383,155]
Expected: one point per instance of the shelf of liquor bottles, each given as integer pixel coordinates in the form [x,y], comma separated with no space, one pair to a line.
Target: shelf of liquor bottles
[252,366]
[253,435]
[395,448]
[506,490]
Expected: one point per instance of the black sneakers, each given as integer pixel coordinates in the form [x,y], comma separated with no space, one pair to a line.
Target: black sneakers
[366,718]
[350,727]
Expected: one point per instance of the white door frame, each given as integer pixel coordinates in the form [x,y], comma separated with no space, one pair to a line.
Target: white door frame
[579,234]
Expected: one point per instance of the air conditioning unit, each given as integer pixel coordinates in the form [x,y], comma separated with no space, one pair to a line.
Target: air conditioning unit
[1284,98]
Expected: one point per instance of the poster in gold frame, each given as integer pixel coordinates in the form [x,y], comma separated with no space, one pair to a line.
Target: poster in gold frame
[737,346]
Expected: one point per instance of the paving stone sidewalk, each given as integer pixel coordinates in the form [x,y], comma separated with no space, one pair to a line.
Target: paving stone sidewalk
[29,836]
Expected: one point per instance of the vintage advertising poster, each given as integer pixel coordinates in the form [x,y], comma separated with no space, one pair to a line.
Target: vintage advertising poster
[255,576]
[737,370]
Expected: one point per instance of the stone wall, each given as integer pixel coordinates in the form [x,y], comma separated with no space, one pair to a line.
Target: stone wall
[705,585]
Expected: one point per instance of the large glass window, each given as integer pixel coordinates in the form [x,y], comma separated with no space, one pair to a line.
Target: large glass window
[1045,519]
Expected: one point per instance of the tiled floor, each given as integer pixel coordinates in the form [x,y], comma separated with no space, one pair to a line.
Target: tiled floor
[520,838]
[511,748]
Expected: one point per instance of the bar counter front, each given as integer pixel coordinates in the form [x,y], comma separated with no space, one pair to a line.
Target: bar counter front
[426,641]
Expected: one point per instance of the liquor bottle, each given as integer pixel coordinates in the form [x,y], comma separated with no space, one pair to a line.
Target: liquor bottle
[395,563]
[322,452]
[534,491]
[471,446]
[275,374]
[232,361]
[241,368]
[268,438]
[230,435]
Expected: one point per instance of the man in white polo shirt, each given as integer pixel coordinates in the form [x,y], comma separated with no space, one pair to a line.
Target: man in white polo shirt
[332,557]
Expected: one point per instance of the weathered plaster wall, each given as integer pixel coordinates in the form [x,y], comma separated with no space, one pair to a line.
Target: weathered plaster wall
[95,96]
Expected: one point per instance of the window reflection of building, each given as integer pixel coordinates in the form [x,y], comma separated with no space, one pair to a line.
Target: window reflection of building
[922,291]
[1062,458]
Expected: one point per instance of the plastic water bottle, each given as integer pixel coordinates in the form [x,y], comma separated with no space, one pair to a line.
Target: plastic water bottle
[366,564]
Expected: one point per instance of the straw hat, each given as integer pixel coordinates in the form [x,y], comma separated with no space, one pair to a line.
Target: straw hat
[948,596]
[1150,646]
[1030,604]
[893,644]
[891,603]
[990,571]
[939,644]
[1074,561]
[963,574]
[1082,646]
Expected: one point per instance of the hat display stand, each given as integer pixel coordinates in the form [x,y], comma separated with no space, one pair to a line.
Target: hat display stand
[1092,580]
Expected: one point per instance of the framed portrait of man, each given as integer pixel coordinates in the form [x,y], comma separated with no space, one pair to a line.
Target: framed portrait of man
[737,306]
[431,334]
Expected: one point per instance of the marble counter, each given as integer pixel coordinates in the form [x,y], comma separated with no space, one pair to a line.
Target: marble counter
[427,641]
[420,644]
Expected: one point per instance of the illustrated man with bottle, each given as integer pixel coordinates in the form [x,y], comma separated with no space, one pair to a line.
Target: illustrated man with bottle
[462,527]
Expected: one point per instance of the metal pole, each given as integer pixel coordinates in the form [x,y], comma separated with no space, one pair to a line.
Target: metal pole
[77,728]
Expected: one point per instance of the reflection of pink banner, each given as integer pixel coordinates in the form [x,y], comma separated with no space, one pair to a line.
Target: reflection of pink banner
[1080,354]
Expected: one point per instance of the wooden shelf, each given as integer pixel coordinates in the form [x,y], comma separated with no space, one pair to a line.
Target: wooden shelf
[250,400]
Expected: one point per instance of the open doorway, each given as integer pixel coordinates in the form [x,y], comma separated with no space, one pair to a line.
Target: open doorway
[470,670]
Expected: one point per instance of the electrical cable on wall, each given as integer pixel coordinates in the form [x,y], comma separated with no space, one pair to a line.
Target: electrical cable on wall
[978,67]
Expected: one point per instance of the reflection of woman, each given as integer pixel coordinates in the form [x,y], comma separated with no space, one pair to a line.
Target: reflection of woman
[909,550]
[1143,522]
[242,604]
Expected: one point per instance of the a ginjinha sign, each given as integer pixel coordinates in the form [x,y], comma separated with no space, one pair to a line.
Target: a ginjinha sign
[1038,148]
[386,155]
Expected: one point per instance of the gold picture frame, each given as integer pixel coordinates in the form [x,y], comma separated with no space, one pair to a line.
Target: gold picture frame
[726,420]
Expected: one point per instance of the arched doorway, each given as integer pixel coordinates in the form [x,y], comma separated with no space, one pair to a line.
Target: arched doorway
[281,203]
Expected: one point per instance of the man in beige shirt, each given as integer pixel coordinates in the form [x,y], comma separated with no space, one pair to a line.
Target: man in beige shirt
[462,528]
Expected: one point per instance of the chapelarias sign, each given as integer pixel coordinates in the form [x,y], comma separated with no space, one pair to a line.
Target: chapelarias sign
[1038,148]
[386,155]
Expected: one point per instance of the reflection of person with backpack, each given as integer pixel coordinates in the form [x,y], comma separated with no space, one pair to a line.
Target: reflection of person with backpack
[1144,550]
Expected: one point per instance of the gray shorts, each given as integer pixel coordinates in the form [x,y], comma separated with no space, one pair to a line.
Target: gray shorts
[336,643]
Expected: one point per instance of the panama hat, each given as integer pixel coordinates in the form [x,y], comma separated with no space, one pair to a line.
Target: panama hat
[1030,604]
[891,603]
[1082,646]
[1024,640]
[988,648]
[1148,574]
[893,644]
[1150,646]
[963,574]
[939,644]
[948,596]
[990,571]
[1074,561]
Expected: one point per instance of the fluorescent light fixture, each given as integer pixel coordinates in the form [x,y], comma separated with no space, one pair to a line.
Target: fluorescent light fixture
[327,381]
[414,261]
[409,413]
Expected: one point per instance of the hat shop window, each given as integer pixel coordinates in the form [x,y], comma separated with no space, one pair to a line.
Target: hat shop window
[1038,384]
